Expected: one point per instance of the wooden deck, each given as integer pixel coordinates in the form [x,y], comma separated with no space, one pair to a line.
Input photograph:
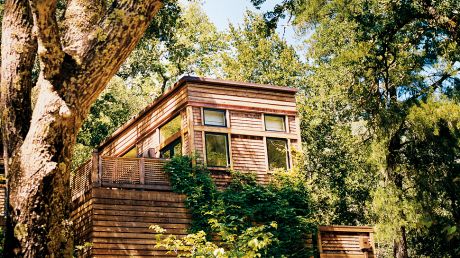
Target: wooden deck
[117,172]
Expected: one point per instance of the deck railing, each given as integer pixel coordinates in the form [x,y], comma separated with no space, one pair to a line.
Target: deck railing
[117,172]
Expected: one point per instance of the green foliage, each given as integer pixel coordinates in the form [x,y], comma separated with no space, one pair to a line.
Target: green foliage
[392,68]
[252,242]
[188,46]
[245,203]
[254,55]
[117,103]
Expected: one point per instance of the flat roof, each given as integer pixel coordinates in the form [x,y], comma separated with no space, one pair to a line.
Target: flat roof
[197,80]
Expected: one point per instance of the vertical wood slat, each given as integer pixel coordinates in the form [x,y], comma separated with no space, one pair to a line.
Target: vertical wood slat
[141,171]
[133,171]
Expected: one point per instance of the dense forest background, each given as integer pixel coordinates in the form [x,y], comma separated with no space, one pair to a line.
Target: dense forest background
[379,104]
[379,93]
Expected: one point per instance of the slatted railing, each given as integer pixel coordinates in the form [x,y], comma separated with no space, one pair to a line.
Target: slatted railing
[80,181]
[133,173]
[117,172]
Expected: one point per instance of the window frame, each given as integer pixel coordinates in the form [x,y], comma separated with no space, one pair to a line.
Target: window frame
[170,147]
[275,115]
[223,111]
[288,164]
[227,149]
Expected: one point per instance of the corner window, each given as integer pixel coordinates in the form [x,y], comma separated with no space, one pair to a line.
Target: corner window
[277,153]
[172,149]
[216,150]
[170,128]
[274,123]
[214,117]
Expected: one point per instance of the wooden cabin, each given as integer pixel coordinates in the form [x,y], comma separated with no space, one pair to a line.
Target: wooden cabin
[226,125]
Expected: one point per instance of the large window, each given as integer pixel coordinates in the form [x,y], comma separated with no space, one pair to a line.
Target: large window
[274,123]
[277,153]
[170,128]
[216,150]
[172,149]
[214,117]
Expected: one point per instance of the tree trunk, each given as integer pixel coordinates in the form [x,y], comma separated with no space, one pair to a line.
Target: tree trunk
[74,69]
[400,243]
[18,54]
[41,198]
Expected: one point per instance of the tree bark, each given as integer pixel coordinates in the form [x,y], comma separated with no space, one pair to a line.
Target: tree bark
[74,69]
[18,54]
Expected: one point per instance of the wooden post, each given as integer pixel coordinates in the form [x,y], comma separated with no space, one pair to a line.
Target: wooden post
[141,171]
[95,177]
[99,165]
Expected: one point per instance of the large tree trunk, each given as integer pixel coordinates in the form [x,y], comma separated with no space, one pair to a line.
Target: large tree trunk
[75,67]
[18,54]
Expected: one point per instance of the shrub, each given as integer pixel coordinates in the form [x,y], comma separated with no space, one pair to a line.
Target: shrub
[246,205]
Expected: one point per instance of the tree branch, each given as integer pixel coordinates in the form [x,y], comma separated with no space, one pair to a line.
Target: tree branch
[111,42]
[50,51]
[80,19]
[18,51]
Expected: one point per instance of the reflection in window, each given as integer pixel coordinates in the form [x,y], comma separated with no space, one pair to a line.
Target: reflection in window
[216,150]
[274,123]
[277,153]
[170,128]
[172,149]
[132,153]
[214,117]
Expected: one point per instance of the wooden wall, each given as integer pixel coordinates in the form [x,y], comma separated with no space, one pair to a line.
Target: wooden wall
[246,129]
[144,126]
[346,242]
[116,221]
[246,106]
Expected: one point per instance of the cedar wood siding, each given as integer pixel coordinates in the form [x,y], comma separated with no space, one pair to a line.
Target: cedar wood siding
[245,107]
[142,128]
[116,221]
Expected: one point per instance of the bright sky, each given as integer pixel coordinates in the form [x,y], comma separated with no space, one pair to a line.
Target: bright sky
[223,12]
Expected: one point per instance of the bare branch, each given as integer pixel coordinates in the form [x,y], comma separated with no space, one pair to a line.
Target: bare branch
[80,19]
[50,51]
[111,42]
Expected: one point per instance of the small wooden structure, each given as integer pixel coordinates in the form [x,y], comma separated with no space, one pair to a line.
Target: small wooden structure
[122,189]
[346,242]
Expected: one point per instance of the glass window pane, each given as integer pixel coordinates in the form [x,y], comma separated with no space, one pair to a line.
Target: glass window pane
[132,153]
[177,149]
[170,128]
[277,153]
[214,117]
[274,123]
[172,149]
[216,150]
